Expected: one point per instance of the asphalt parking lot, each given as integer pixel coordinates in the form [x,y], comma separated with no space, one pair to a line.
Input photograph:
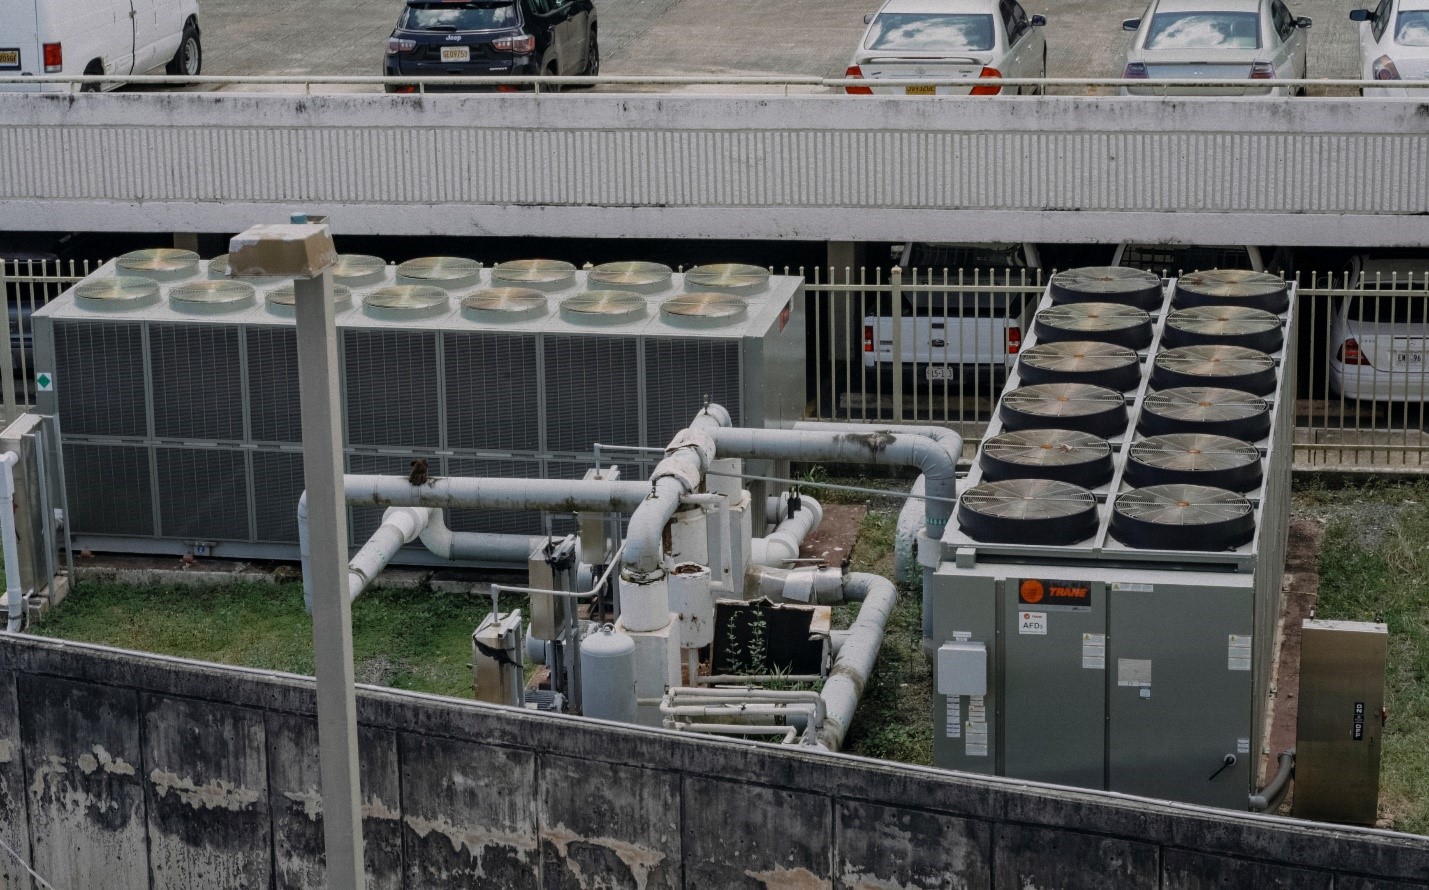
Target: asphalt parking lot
[696,37]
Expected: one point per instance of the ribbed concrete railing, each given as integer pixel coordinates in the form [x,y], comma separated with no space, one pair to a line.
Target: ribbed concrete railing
[818,167]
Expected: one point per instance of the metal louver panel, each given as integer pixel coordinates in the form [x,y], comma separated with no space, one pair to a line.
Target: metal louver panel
[198,392]
[109,489]
[491,391]
[391,388]
[203,494]
[591,384]
[526,522]
[101,384]
[277,484]
[679,373]
[273,409]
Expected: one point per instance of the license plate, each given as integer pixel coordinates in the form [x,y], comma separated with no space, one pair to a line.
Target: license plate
[456,54]
[931,373]
[1409,359]
[9,58]
[920,89]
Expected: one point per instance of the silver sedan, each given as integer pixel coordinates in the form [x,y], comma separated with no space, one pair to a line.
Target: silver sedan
[1253,40]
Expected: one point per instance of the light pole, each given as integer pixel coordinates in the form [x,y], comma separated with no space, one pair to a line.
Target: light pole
[305,251]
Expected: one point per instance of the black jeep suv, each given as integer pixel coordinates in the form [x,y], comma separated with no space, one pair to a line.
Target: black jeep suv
[492,38]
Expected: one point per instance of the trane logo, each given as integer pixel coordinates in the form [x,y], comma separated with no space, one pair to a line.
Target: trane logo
[1063,593]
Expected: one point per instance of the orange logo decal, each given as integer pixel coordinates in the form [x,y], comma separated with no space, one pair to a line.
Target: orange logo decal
[1031,591]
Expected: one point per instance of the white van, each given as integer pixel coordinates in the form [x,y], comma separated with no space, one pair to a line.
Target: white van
[97,37]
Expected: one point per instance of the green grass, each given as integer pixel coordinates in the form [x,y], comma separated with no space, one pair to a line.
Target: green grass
[1388,580]
[406,639]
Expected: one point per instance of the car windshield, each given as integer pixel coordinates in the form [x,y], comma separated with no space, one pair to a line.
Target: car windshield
[458,17]
[1204,30]
[930,33]
[1412,29]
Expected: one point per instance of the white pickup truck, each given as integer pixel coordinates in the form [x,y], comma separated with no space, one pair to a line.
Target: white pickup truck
[951,331]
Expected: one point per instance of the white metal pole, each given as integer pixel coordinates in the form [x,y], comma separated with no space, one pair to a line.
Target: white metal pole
[332,610]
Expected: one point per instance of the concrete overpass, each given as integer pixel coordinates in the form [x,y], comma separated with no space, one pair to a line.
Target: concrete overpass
[817,167]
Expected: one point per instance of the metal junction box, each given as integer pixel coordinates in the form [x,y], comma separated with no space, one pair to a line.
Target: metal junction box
[1340,728]
[1130,667]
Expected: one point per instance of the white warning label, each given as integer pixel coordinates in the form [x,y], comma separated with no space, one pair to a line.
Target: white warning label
[1033,623]
[1133,672]
[955,717]
[1238,653]
[975,742]
[1094,652]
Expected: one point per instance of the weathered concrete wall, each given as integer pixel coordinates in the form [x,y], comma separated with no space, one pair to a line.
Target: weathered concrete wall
[1209,170]
[130,771]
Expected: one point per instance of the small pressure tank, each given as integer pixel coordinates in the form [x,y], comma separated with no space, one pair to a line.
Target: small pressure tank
[608,676]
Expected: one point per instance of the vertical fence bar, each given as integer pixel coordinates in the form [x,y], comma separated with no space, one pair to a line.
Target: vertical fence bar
[7,365]
[895,284]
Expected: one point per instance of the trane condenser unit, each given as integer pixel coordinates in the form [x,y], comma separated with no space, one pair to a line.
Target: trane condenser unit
[177,393]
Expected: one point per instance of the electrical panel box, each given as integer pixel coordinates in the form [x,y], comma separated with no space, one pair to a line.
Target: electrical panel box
[1340,725]
[962,669]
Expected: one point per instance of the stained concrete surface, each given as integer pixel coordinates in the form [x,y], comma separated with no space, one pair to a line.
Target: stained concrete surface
[696,37]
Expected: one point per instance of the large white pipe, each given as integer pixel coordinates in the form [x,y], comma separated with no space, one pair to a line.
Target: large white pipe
[783,544]
[937,460]
[857,654]
[681,472]
[400,526]
[438,538]
[11,543]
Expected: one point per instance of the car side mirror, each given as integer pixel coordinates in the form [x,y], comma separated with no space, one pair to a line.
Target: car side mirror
[1361,15]
[1038,21]
[1304,22]
[868,18]
[1130,24]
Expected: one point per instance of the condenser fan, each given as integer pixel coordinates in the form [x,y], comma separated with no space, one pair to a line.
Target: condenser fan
[546,272]
[1193,459]
[358,270]
[1107,284]
[727,275]
[287,295]
[439,271]
[407,299]
[1231,367]
[1223,326]
[117,294]
[214,294]
[1182,517]
[1081,361]
[1028,511]
[605,306]
[1062,455]
[1075,406]
[505,304]
[218,266]
[1126,326]
[632,274]
[1205,409]
[1232,287]
[704,308]
[158,263]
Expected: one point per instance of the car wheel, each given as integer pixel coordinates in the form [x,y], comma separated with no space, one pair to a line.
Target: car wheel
[188,61]
[551,71]
[592,64]
[94,68]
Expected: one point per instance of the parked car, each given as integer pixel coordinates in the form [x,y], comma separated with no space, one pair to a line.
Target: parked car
[97,37]
[952,332]
[492,38]
[973,40]
[1221,39]
[1394,43]
[1379,342]
[1172,259]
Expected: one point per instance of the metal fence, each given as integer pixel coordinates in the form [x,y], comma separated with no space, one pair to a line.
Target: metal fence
[934,346]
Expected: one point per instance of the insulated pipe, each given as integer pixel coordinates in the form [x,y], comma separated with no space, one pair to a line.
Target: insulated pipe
[857,654]
[489,546]
[562,495]
[1269,797]
[11,546]
[937,460]
[783,544]
[400,526]
[681,472]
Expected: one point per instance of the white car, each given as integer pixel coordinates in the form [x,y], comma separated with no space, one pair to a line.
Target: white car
[1379,342]
[965,39]
[1394,44]
[97,37]
[1220,39]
